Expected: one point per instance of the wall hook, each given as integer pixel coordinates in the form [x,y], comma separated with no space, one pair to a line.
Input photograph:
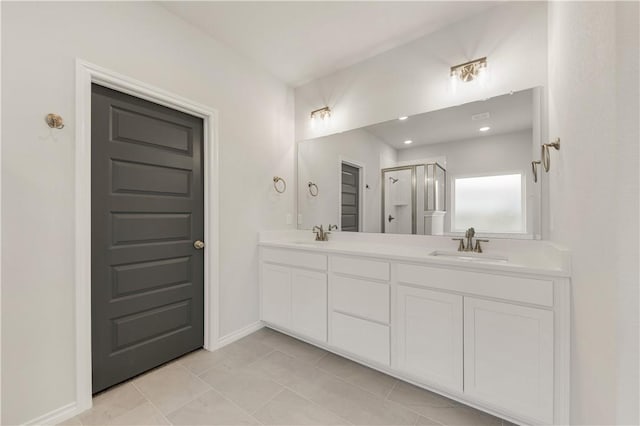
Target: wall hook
[54,121]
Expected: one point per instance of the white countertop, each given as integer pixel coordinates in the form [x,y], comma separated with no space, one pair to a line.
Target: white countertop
[522,257]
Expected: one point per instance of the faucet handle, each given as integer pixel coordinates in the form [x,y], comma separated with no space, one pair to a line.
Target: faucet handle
[318,231]
[461,245]
[478,248]
[332,227]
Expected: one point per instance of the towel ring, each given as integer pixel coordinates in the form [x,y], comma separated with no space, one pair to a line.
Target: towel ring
[279,184]
[534,169]
[545,157]
[311,185]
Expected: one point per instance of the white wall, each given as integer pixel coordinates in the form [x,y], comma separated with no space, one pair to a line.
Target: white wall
[508,152]
[593,108]
[40,42]
[414,78]
[319,161]
[628,213]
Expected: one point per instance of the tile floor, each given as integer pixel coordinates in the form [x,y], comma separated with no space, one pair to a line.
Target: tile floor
[271,379]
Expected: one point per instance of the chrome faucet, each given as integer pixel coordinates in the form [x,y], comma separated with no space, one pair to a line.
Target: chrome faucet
[468,235]
[321,234]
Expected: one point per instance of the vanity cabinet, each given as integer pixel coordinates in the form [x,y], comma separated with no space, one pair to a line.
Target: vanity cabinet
[496,338]
[430,336]
[293,297]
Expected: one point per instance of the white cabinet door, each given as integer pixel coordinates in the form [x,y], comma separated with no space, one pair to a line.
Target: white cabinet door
[309,304]
[276,295]
[508,358]
[430,336]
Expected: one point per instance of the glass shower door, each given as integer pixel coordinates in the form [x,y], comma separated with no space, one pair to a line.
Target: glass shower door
[398,215]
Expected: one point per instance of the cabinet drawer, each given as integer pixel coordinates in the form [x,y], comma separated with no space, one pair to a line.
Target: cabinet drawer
[362,298]
[295,258]
[360,337]
[360,267]
[518,289]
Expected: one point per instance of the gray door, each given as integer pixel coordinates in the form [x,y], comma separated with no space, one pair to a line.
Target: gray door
[350,208]
[147,209]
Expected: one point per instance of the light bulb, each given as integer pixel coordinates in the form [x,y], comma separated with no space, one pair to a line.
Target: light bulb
[482,76]
[453,83]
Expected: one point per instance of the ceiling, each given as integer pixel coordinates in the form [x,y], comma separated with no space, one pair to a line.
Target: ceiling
[301,41]
[508,113]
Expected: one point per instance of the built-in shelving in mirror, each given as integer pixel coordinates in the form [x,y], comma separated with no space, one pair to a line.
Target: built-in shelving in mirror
[436,173]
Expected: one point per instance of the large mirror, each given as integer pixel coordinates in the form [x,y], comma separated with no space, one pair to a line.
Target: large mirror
[436,173]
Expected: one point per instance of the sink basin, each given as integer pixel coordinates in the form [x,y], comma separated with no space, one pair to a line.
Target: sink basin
[470,256]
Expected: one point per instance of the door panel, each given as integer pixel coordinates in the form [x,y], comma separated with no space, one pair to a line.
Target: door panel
[508,357]
[147,203]
[309,303]
[430,336]
[350,208]
[276,295]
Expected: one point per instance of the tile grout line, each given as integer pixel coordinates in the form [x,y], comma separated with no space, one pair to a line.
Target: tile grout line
[236,405]
[151,402]
[226,358]
[268,400]
[397,404]
[397,381]
[315,366]
[395,384]
[198,395]
[317,404]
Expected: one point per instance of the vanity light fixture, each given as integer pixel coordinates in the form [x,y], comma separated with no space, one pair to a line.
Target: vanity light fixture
[404,117]
[484,129]
[322,114]
[408,141]
[475,70]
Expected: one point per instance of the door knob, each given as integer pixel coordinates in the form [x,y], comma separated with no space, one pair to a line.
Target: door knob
[199,245]
[391,218]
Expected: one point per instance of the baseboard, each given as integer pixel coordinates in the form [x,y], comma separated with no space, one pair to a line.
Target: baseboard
[239,334]
[56,416]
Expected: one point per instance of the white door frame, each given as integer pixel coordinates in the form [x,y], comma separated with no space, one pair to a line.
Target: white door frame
[86,74]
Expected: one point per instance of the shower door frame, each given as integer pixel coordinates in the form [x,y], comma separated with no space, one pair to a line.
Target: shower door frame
[414,228]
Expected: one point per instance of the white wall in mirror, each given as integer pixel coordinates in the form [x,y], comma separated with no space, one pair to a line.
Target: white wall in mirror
[319,162]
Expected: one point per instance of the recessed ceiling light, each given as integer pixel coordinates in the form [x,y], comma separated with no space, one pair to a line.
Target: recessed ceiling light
[404,117]
[407,142]
[484,129]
